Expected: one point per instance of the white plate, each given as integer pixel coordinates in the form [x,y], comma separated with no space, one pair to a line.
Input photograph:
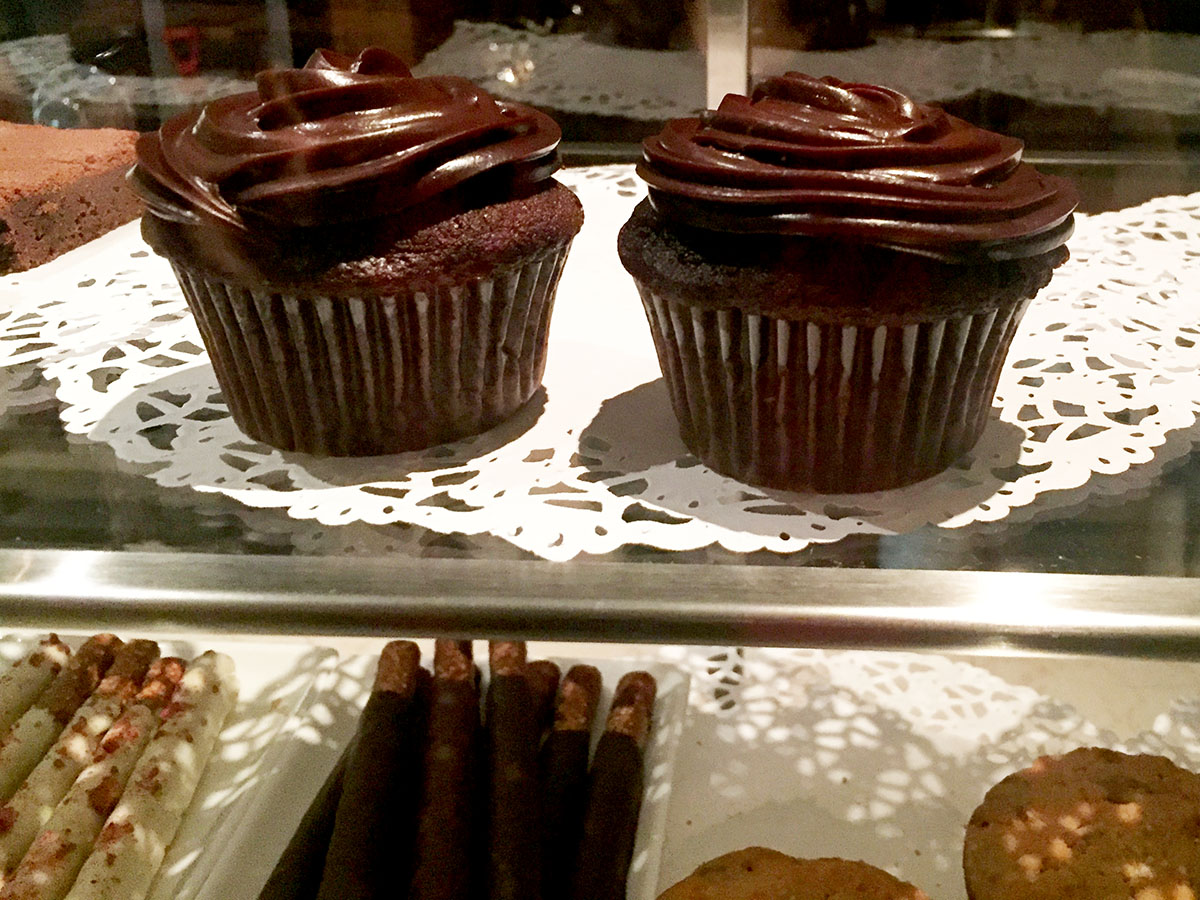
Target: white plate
[331,720]
[276,684]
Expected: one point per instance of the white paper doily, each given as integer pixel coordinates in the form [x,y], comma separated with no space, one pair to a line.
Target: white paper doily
[1101,389]
[865,755]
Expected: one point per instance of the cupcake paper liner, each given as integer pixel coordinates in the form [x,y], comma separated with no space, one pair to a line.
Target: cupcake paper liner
[365,374]
[802,405]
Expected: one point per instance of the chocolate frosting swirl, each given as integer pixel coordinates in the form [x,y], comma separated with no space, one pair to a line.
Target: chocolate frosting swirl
[820,157]
[341,140]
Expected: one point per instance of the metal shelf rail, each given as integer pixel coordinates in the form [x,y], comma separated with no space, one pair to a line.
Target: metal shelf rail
[628,602]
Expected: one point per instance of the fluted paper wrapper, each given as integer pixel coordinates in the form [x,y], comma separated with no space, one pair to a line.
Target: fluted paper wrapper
[365,374]
[832,408]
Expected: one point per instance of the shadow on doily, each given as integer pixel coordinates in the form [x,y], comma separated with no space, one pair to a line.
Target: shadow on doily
[1107,492]
[874,755]
[833,776]
[633,445]
[633,432]
[183,415]
[288,769]
[344,470]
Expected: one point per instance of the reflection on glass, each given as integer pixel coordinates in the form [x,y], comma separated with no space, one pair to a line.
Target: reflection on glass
[1060,74]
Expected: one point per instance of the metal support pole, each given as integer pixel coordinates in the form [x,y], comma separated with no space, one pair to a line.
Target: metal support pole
[727,48]
[279,34]
[155,18]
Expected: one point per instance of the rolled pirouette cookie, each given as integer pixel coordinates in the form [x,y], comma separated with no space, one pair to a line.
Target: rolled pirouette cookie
[370,848]
[28,677]
[514,823]
[23,816]
[33,734]
[615,793]
[297,873]
[49,867]
[131,846]
[564,773]
[447,826]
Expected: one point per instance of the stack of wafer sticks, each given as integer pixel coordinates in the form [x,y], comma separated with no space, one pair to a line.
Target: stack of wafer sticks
[100,754]
[444,794]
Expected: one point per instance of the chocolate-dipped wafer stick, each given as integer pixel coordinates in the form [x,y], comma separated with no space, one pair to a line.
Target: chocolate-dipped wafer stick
[32,734]
[543,675]
[615,793]
[448,823]
[297,874]
[370,849]
[564,769]
[514,852]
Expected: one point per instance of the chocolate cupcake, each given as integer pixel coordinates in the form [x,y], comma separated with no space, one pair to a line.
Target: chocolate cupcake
[833,274]
[371,257]
[1090,823]
[757,873]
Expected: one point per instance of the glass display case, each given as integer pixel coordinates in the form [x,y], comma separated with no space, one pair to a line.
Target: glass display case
[840,674]
[121,467]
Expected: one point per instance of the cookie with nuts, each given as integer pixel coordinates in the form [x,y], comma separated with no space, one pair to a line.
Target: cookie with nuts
[1092,824]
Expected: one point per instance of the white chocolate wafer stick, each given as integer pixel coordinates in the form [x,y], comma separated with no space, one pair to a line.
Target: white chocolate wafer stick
[48,869]
[33,734]
[22,817]
[28,677]
[135,839]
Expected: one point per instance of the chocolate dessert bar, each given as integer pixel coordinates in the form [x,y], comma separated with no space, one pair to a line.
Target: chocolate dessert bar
[59,189]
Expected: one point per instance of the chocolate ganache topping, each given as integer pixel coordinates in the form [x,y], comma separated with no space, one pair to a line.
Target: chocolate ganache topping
[820,157]
[341,140]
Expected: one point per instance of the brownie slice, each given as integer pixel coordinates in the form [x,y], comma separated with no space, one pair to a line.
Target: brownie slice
[60,189]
